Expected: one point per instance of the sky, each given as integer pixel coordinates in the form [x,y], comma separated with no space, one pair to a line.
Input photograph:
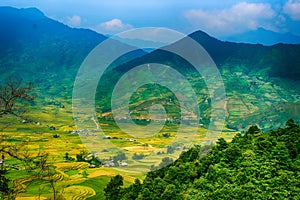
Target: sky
[216,17]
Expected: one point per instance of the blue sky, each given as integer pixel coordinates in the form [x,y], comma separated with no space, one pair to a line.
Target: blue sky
[216,17]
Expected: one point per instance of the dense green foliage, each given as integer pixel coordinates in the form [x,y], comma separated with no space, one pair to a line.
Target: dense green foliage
[255,165]
[4,187]
[112,190]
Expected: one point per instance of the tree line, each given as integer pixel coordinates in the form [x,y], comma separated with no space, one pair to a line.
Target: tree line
[254,165]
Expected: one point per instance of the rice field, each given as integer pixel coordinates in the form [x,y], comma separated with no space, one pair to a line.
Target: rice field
[76,180]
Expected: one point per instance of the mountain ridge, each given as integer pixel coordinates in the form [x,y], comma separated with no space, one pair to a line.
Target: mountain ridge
[50,53]
[277,56]
[263,36]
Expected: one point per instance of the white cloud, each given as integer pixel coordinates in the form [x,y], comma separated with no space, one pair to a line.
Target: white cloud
[113,26]
[74,21]
[236,19]
[292,9]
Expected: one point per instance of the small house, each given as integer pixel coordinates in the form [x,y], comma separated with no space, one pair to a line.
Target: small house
[123,164]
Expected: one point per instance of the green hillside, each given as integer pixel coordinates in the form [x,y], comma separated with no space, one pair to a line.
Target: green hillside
[256,165]
[257,78]
[43,155]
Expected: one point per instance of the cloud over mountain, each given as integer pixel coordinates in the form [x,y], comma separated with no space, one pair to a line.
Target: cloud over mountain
[75,20]
[236,19]
[113,26]
[292,9]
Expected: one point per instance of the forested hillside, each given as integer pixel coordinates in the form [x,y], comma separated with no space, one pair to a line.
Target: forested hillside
[255,165]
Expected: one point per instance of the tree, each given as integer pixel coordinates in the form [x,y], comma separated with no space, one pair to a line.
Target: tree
[113,188]
[170,150]
[145,145]
[133,190]
[165,162]
[280,154]
[4,188]
[170,193]
[253,129]
[119,157]
[44,170]
[222,144]
[82,156]
[66,156]
[79,157]
[137,156]
[38,166]
[290,124]
[13,96]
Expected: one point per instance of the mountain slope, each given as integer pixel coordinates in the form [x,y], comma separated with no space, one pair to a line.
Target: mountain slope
[256,165]
[41,50]
[257,78]
[30,32]
[283,59]
[44,51]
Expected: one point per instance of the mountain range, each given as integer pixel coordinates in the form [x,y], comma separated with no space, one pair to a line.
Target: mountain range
[262,82]
[263,36]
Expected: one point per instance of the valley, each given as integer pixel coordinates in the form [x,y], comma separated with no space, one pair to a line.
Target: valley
[46,155]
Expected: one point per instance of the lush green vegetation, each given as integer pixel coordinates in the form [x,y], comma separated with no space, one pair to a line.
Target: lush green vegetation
[262,82]
[44,156]
[255,165]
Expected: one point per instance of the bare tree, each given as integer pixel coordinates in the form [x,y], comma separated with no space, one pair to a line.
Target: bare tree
[39,166]
[13,95]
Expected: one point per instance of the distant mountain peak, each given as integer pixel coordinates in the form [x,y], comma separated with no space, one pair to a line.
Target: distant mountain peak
[263,36]
[201,34]
[26,13]
[34,11]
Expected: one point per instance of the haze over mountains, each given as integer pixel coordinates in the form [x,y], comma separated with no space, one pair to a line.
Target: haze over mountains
[29,30]
[263,36]
[257,78]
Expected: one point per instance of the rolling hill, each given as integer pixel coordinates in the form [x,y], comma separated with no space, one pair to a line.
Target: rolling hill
[257,78]
[262,87]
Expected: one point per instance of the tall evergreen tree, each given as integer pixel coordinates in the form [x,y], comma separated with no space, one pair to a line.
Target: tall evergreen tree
[113,188]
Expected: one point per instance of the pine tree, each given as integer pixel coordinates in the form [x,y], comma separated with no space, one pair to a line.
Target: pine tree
[113,188]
